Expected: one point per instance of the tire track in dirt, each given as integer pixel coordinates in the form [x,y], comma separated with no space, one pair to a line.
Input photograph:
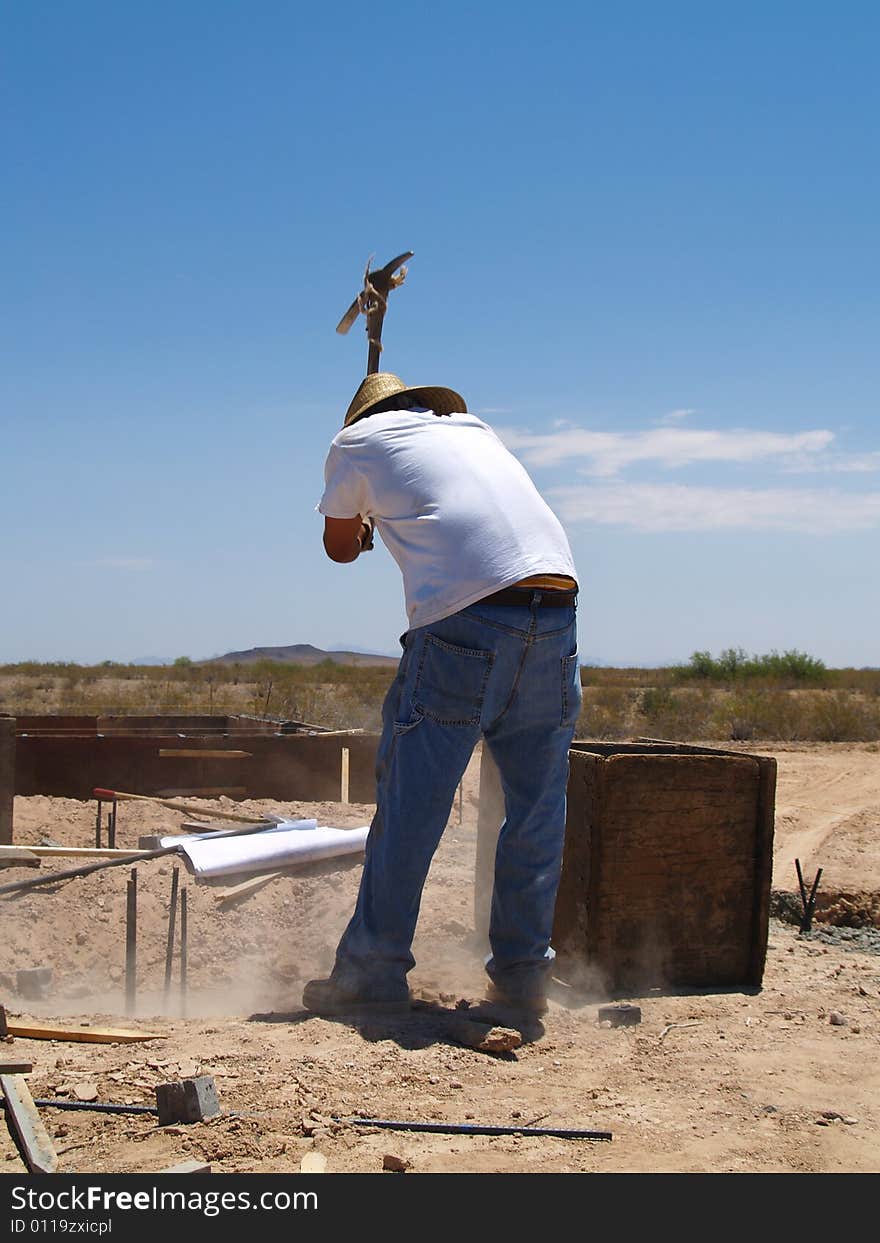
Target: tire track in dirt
[828,816]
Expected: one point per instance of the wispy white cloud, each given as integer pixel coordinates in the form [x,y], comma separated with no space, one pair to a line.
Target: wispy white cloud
[676,507]
[840,464]
[674,417]
[607,453]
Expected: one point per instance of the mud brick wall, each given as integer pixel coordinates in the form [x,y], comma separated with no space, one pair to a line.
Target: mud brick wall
[667,866]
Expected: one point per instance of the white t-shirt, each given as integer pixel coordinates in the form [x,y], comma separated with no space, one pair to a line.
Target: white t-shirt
[456,510]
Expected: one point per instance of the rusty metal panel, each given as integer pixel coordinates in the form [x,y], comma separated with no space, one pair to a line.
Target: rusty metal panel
[7,777]
[666,873]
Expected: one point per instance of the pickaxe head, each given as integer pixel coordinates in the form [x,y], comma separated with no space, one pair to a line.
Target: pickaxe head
[372,302]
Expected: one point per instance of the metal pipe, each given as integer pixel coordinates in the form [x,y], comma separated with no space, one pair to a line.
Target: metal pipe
[99,1106]
[467,1128]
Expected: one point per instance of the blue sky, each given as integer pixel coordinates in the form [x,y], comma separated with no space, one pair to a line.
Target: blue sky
[646,252]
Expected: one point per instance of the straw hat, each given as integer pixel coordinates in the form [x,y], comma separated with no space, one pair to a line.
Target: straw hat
[382,384]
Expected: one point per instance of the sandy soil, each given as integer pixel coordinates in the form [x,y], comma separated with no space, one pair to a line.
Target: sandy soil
[784,1078]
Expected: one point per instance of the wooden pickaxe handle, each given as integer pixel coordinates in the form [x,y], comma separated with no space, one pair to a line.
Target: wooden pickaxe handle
[110,795]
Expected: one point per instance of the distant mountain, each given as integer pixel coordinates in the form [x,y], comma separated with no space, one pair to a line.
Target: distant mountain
[299,654]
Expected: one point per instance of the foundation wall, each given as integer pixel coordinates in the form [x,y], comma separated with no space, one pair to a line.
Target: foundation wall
[245,758]
[667,866]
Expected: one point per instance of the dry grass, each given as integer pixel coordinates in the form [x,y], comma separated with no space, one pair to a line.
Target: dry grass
[618,703]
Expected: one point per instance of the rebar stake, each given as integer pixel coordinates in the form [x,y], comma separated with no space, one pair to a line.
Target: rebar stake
[172,918]
[183,952]
[809,902]
[131,943]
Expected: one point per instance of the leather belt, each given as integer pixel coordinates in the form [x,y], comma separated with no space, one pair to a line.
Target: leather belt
[523,596]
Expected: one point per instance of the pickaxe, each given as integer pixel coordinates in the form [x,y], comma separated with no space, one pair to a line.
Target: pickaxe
[372,301]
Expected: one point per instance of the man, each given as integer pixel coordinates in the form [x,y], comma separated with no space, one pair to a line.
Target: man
[490,590]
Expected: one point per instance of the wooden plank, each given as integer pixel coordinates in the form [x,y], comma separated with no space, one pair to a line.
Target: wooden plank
[72,852]
[9,1067]
[246,887]
[85,1035]
[196,753]
[23,1118]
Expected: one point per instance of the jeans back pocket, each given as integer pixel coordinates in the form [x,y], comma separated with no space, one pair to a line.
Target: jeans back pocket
[451,682]
[572,695]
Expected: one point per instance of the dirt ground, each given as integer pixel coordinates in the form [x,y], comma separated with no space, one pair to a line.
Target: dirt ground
[781,1078]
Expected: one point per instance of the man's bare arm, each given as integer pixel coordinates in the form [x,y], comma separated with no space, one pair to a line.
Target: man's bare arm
[346,538]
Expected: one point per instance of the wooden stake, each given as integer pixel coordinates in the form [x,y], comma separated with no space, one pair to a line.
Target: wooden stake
[344,789]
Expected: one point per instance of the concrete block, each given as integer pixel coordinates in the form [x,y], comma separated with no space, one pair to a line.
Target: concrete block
[620,1015]
[188,1167]
[187,1100]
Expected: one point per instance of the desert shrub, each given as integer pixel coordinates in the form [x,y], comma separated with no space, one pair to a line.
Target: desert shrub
[606,712]
[735,665]
[843,716]
[677,714]
[756,712]
[792,666]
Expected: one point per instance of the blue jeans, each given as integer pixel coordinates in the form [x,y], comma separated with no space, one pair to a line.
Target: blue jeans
[510,674]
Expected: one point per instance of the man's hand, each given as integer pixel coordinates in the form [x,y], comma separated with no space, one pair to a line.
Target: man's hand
[366,536]
[346,538]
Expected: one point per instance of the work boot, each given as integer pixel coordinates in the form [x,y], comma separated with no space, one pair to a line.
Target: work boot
[532,1003]
[328,997]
